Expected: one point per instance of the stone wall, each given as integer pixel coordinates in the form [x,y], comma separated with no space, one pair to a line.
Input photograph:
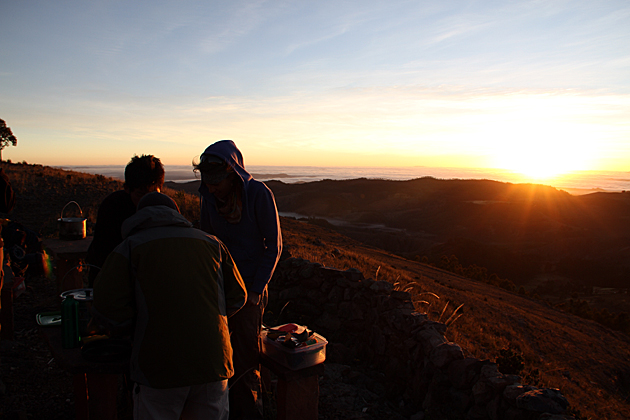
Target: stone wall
[369,324]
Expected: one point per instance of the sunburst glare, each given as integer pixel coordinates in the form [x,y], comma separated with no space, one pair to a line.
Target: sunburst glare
[546,150]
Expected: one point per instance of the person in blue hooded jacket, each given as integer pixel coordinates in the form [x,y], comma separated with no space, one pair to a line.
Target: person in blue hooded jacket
[242,213]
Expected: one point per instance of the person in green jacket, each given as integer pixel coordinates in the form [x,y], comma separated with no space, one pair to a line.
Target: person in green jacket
[176,286]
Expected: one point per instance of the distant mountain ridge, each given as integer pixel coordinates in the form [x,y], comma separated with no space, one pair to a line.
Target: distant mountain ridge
[525,232]
[520,231]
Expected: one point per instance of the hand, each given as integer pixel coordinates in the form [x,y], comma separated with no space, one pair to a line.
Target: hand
[253,298]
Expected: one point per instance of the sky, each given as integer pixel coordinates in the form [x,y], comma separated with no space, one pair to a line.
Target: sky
[533,86]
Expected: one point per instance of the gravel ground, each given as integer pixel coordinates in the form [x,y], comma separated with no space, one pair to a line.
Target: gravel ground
[36,388]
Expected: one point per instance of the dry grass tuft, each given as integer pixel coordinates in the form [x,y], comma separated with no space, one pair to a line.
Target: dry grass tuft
[588,362]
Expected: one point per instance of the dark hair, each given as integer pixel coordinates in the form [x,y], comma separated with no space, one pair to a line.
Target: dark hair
[144,171]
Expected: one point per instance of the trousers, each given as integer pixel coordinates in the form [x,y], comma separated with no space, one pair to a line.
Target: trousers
[197,402]
[245,386]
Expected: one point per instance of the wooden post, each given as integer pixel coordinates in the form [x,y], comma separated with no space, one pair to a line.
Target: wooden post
[298,398]
[102,393]
[81,407]
[297,394]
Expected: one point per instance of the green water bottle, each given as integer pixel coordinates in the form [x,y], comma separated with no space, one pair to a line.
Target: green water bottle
[70,323]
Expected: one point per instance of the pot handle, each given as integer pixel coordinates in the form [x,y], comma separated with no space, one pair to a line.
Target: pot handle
[64,207]
[80,267]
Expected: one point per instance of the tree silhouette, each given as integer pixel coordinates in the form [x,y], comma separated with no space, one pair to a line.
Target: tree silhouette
[6,137]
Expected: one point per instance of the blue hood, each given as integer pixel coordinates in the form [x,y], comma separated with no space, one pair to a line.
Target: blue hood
[255,242]
[227,150]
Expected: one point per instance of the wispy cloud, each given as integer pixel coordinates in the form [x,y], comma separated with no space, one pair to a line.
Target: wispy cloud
[405,122]
[232,24]
[301,79]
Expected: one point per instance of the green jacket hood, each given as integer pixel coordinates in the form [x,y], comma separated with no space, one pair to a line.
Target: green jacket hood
[153,216]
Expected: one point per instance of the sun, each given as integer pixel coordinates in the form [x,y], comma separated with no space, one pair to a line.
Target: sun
[540,163]
[545,154]
[541,136]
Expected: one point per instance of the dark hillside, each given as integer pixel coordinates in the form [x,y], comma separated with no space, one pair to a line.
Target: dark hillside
[588,362]
[523,232]
[43,191]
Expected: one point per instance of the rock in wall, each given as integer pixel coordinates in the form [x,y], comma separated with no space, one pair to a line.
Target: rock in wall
[367,322]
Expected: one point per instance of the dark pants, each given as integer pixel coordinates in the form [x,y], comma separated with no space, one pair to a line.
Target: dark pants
[2,387]
[245,388]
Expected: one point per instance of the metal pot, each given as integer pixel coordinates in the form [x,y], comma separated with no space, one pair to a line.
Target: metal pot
[71,228]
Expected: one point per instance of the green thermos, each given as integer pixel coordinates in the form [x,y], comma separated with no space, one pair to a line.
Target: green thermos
[70,323]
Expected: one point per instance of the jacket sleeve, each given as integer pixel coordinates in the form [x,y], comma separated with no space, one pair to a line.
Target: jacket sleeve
[114,301]
[234,286]
[269,225]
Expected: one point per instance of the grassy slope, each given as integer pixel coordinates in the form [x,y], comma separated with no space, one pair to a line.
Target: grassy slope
[43,192]
[522,232]
[591,364]
[588,362]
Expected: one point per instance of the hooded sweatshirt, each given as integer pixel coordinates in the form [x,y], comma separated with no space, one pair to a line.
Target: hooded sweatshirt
[177,284]
[255,242]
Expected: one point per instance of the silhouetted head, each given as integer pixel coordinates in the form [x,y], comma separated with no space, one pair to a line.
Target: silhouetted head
[217,175]
[212,168]
[143,174]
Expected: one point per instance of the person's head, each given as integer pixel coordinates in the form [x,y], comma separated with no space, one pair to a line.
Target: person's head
[216,174]
[143,174]
[157,199]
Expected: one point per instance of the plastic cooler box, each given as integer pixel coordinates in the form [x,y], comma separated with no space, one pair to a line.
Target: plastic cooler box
[298,358]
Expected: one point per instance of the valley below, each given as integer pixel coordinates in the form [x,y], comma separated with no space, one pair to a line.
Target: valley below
[548,241]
